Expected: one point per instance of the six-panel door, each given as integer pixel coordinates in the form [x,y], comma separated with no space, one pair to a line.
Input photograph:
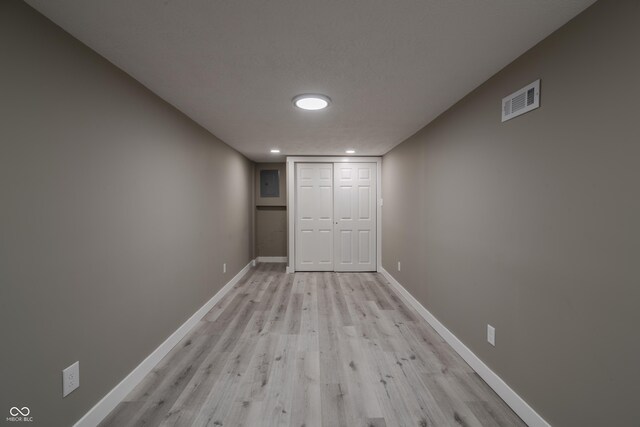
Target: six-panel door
[314,217]
[354,217]
[335,216]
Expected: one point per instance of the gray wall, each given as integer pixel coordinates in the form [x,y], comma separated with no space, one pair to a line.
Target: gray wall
[116,214]
[271,231]
[271,215]
[533,225]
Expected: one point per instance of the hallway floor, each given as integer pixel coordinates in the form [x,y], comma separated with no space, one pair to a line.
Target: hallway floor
[312,349]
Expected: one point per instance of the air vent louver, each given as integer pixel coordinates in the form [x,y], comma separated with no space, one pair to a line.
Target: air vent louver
[521,101]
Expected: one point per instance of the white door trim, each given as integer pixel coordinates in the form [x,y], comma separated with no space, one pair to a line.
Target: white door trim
[291,163]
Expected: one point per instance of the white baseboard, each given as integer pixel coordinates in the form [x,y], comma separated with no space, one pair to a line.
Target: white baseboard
[272,259]
[519,406]
[119,392]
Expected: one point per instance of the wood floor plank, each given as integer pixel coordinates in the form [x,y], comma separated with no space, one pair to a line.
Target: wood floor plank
[312,349]
[407,313]
[279,393]
[223,356]
[309,341]
[306,403]
[362,399]
[123,414]
[339,300]
[333,405]
[450,403]
[159,400]
[328,334]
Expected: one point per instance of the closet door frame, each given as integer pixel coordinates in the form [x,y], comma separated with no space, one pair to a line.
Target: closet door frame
[291,201]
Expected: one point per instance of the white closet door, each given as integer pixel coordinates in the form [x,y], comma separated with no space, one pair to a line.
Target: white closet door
[314,217]
[355,216]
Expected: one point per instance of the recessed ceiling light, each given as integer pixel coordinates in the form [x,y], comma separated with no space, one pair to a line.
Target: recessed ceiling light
[350,151]
[310,101]
[275,151]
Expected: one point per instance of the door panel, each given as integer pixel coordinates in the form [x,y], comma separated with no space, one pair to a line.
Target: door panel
[364,203]
[364,243]
[325,204]
[346,239]
[355,219]
[314,217]
[325,252]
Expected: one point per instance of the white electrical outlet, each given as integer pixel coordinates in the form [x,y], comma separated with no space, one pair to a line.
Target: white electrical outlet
[70,379]
[224,267]
[491,335]
[399,266]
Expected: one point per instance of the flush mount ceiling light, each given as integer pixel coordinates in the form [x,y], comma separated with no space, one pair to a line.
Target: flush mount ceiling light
[311,101]
[350,151]
[275,150]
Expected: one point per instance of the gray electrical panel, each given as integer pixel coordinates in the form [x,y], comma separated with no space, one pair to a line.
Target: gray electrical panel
[269,183]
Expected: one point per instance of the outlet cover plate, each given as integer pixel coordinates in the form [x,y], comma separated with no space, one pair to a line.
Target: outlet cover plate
[70,379]
[491,335]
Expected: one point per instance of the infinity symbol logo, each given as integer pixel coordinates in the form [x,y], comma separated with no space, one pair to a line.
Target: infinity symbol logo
[15,411]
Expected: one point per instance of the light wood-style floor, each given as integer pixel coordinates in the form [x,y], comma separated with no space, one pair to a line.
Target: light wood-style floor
[312,349]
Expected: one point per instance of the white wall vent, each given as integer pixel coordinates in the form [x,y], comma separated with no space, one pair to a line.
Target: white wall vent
[521,101]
